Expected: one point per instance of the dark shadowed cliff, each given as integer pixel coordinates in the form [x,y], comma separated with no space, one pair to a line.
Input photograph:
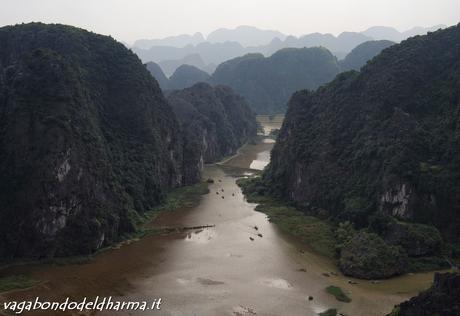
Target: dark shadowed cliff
[385,140]
[216,122]
[87,141]
[442,299]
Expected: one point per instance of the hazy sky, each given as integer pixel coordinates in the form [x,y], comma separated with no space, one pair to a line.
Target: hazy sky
[129,20]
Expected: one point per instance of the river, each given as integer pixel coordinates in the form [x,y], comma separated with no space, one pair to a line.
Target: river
[219,270]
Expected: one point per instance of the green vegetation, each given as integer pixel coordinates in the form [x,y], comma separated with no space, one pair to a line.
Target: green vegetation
[423,264]
[183,197]
[156,71]
[91,139]
[216,123]
[362,53]
[378,251]
[338,294]
[179,198]
[396,311]
[93,146]
[186,76]
[329,312]
[367,256]
[453,252]
[73,260]
[268,82]
[16,282]
[344,232]
[346,142]
[312,231]
[379,149]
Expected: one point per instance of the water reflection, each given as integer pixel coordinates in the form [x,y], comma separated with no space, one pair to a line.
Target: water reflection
[262,160]
[219,270]
[201,236]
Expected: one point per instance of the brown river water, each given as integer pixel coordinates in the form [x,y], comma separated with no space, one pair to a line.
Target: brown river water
[218,270]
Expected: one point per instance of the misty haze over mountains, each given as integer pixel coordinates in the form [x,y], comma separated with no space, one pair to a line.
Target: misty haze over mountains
[224,44]
[268,82]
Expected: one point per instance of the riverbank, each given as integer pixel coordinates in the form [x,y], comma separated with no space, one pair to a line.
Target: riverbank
[179,198]
[219,270]
[317,234]
[324,236]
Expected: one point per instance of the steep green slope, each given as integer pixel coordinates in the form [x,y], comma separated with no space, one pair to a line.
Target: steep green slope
[186,76]
[87,141]
[383,140]
[362,53]
[216,122]
[158,74]
[267,83]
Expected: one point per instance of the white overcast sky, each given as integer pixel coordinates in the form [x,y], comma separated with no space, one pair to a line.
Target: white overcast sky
[128,20]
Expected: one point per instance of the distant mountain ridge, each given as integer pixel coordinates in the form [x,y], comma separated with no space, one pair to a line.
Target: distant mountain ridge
[245,35]
[268,82]
[380,149]
[225,44]
[362,53]
[156,71]
[185,76]
[169,66]
[174,41]
[392,34]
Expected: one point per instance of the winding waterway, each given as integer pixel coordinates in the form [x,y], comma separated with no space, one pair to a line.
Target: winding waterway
[219,270]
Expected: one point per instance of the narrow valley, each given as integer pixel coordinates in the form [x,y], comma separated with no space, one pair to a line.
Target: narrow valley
[219,270]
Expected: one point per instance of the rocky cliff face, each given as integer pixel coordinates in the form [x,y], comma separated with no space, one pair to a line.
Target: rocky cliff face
[379,146]
[216,122]
[87,141]
[384,139]
[443,298]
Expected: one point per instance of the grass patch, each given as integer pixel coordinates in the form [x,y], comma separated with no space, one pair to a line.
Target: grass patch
[316,233]
[16,282]
[183,197]
[338,294]
[423,264]
[329,312]
[253,192]
[62,261]
[396,311]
